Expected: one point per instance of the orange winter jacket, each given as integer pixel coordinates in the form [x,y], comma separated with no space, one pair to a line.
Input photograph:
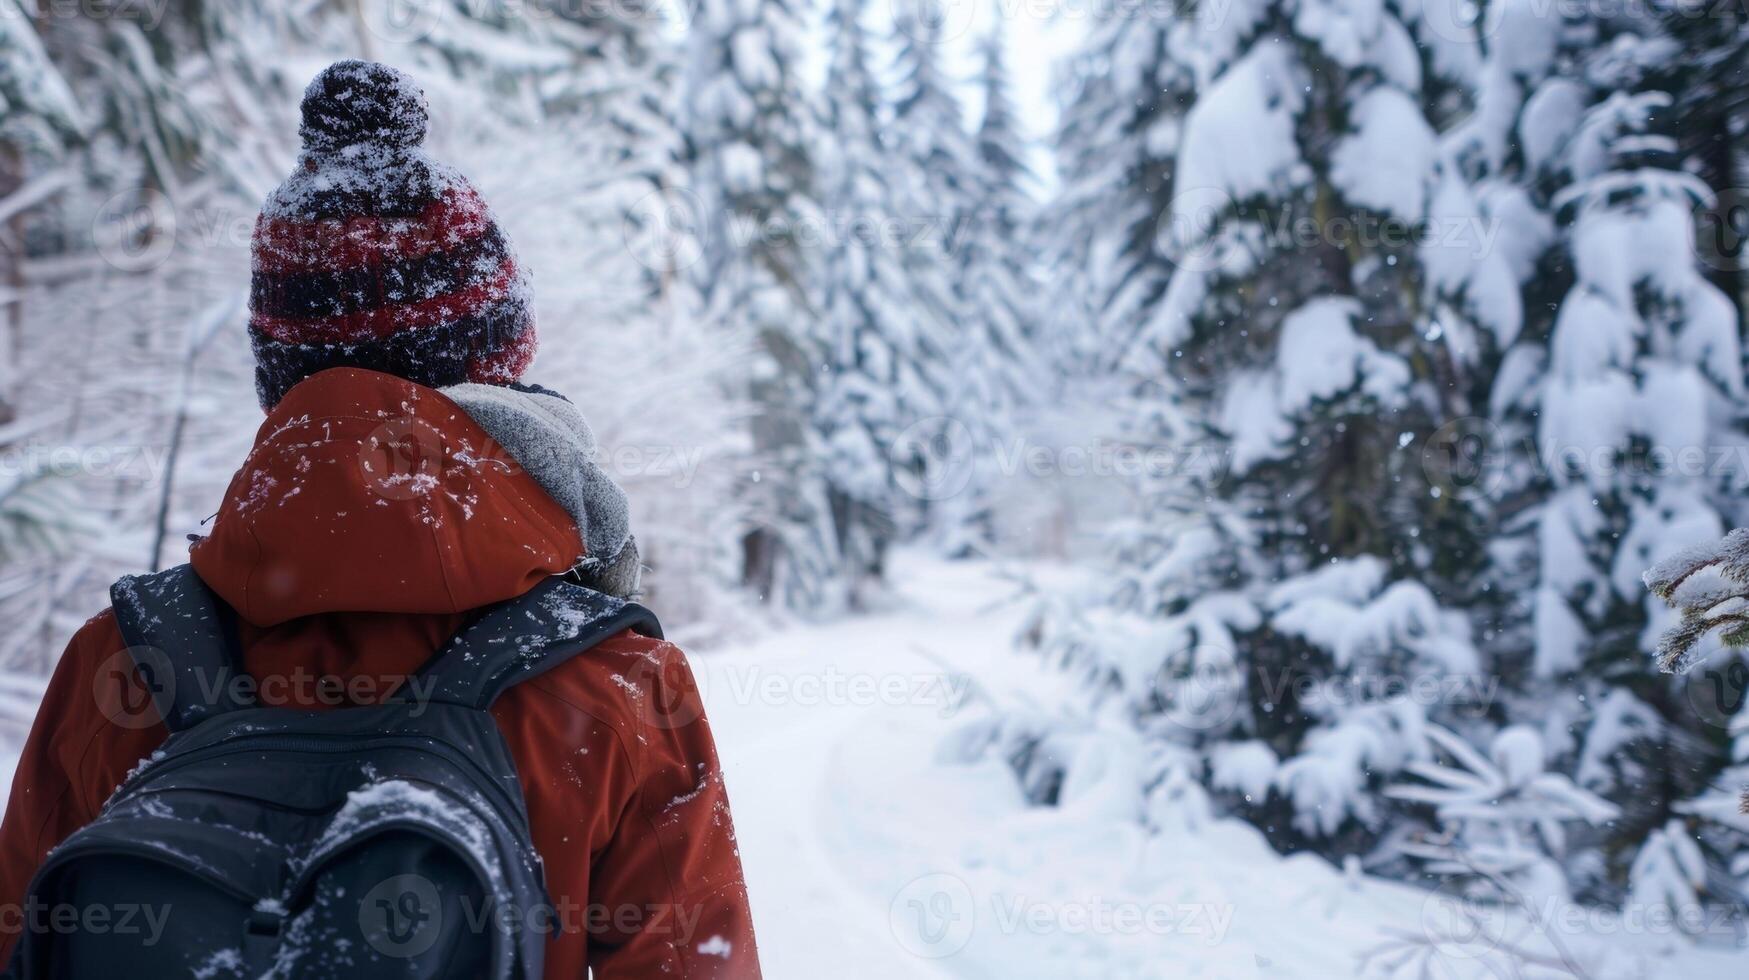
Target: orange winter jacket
[369,520]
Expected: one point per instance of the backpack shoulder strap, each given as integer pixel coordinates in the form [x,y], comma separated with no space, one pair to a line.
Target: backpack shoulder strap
[182,639]
[526,637]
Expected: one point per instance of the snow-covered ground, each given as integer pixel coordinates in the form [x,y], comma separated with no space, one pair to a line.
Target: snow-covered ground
[866,857]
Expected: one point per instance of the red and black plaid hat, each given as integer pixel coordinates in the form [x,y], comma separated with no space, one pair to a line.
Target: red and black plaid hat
[373,255]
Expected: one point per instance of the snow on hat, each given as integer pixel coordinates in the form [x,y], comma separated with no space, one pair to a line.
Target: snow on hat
[373,255]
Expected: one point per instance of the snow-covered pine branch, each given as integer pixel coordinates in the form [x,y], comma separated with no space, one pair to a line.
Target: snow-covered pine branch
[1503,812]
[1708,585]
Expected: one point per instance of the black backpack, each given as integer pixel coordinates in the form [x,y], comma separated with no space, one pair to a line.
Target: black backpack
[388,840]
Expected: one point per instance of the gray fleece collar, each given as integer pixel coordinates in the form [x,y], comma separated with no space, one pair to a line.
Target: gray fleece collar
[549,437]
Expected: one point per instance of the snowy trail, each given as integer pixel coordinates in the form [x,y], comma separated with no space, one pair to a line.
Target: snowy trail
[866,857]
[855,844]
[781,711]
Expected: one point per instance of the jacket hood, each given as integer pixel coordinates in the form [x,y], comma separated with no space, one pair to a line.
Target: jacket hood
[365,492]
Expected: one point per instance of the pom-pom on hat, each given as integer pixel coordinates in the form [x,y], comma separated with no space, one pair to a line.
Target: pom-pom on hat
[373,255]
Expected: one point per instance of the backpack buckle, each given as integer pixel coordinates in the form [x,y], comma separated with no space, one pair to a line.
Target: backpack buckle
[261,931]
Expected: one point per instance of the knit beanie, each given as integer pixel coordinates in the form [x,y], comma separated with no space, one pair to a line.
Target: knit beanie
[373,255]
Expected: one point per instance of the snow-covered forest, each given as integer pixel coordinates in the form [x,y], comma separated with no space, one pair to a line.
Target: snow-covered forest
[1303,392]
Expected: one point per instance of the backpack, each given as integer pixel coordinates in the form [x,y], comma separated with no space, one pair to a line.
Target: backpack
[385,840]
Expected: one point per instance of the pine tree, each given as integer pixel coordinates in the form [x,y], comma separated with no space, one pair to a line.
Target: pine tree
[747,131]
[1115,148]
[1612,408]
[1312,338]
[997,371]
[39,118]
[882,356]
[930,137]
[1709,114]
[37,107]
[128,178]
[934,163]
[934,192]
